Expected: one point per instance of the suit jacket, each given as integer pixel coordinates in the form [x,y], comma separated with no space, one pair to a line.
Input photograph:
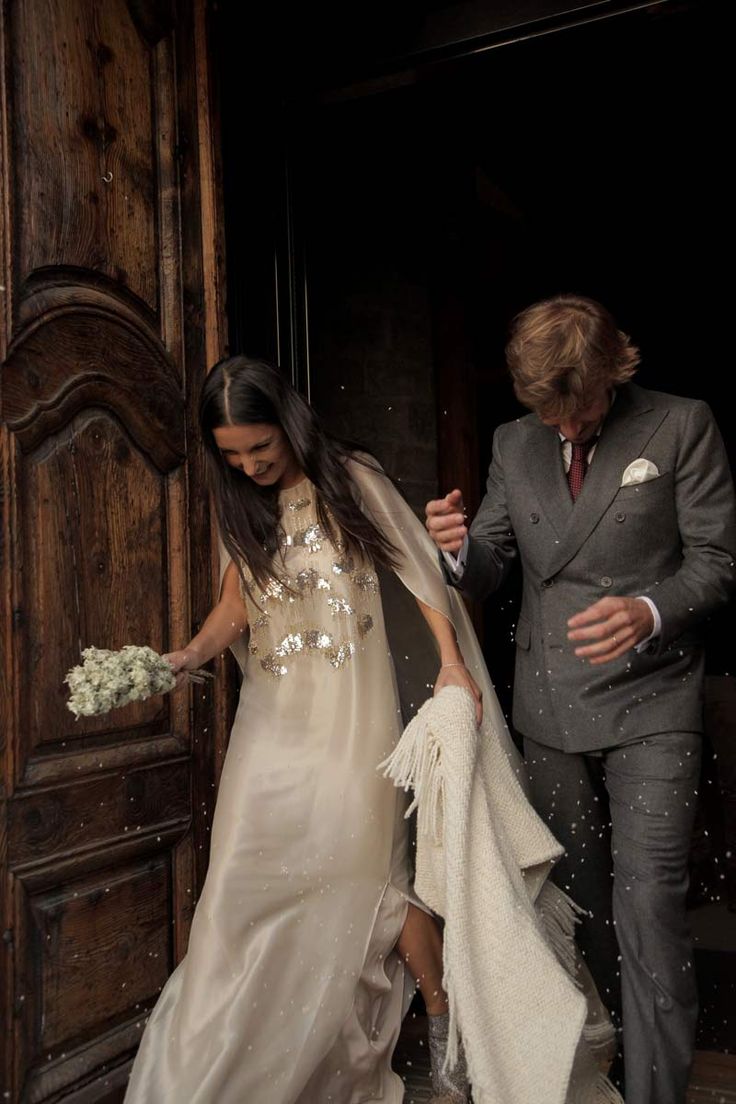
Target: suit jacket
[672,538]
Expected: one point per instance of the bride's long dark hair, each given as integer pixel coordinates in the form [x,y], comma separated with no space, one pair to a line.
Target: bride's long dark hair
[248,515]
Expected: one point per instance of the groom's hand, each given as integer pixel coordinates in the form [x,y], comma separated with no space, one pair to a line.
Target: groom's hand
[446,522]
[614,624]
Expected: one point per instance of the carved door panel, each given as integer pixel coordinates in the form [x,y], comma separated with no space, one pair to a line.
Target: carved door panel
[106,332]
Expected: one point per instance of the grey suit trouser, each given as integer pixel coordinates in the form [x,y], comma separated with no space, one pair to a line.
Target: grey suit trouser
[625,817]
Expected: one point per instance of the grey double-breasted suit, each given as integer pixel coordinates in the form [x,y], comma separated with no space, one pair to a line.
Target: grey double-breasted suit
[613,750]
[672,538]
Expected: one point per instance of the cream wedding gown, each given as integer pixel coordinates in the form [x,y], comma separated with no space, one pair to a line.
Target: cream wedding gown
[291,991]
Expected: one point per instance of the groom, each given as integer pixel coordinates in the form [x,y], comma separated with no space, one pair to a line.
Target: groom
[620,505]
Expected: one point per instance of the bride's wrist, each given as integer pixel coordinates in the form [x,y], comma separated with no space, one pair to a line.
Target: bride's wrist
[193,655]
[455,663]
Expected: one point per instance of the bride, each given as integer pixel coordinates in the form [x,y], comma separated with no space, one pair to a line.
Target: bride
[294,987]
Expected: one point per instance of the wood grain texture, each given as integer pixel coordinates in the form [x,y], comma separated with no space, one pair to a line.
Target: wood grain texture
[93,524]
[82,140]
[713,1079]
[77,356]
[89,813]
[98,948]
[79,939]
[204,338]
[107,537]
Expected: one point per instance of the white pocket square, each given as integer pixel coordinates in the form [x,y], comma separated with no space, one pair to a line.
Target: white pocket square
[639,471]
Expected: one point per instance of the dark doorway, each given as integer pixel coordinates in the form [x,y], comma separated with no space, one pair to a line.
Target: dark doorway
[422,212]
[589,160]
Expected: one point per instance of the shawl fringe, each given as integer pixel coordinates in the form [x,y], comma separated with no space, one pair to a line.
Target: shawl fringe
[560,916]
[607,1093]
[416,764]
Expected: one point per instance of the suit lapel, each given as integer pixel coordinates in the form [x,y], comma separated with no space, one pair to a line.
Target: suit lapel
[546,474]
[629,425]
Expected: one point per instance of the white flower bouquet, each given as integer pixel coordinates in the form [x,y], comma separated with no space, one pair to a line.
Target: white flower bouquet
[107,680]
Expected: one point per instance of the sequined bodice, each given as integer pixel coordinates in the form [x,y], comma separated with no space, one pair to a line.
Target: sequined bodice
[326,600]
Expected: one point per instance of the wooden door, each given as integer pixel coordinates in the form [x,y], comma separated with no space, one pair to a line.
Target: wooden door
[110,314]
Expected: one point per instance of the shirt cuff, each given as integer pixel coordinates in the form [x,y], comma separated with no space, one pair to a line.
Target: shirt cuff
[456,564]
[657,623]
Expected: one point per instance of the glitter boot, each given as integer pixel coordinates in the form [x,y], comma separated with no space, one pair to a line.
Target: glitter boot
[450,1087]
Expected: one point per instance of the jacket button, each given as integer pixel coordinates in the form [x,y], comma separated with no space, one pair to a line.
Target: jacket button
[606,581]
[620,516]
[547,583]
[534,518]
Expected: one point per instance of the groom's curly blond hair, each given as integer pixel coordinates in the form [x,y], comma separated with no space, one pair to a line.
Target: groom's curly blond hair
[563,352]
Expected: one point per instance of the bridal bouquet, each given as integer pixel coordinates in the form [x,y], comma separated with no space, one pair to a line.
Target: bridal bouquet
[107,680]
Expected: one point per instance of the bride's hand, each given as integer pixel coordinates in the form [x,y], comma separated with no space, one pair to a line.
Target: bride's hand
[186,659]
[457,674]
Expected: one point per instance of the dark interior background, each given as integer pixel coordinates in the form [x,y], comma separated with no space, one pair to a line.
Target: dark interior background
[387,232]
[399,182]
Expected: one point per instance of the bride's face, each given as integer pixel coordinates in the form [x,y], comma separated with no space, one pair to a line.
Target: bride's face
[262,452]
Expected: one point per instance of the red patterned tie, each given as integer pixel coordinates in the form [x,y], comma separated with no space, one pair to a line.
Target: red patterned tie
[578,468]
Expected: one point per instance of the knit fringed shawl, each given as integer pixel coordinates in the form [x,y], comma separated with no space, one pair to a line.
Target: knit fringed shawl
[532,1024]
